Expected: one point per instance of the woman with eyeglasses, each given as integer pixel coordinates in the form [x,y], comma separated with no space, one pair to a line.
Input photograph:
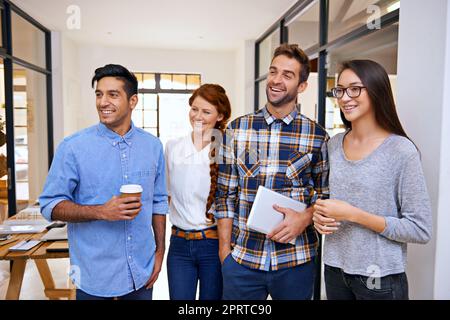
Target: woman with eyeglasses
[378,197]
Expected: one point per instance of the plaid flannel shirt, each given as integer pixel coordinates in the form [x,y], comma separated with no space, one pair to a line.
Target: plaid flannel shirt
[286,155]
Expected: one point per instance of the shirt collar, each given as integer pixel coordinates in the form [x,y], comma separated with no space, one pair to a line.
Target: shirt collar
[115,138]
[287,119]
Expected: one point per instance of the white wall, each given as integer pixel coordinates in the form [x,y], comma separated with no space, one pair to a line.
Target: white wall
[442,275]
[71,87]
[66,87]
[214,67]
[421,75]
[245,79]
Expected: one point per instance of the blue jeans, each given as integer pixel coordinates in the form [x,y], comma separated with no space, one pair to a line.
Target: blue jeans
[141,294]
[343,286]
[190,262]
[242,283]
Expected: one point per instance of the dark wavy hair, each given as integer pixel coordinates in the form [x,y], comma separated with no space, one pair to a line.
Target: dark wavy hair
[215,95]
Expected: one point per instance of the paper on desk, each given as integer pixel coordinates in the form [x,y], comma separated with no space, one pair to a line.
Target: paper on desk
[55,234]
[22,222]
[263,217]
[33,210]
[7,229]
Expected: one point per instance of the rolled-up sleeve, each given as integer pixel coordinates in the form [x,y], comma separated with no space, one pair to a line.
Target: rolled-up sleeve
[320,172]
[414,221]
[61,181]
[160,203]
[227,181]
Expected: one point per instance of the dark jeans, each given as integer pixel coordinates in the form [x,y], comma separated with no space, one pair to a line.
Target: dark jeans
[242,283]
[190,262]
[141,294]
[343,286]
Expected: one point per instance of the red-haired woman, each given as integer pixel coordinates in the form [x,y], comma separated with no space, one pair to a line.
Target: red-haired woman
[191,178]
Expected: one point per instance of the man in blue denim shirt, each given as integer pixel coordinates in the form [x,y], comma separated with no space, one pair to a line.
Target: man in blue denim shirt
[116,244]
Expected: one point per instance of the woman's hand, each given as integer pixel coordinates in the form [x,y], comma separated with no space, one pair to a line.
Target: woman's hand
[335,209]
[324,225]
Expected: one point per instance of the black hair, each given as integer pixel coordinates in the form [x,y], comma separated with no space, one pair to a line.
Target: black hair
[130,83]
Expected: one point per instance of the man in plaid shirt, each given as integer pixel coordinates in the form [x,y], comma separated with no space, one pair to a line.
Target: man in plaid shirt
[280,149]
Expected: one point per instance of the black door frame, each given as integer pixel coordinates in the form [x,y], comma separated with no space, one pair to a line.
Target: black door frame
[7,54]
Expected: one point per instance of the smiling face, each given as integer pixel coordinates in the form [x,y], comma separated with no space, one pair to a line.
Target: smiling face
[113,106]
[354,108]
[203,114]
[283,81]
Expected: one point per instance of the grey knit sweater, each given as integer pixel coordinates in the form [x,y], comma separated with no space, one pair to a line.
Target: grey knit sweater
[390,183]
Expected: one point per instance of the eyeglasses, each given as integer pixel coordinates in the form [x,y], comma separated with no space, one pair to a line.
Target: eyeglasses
[352,92]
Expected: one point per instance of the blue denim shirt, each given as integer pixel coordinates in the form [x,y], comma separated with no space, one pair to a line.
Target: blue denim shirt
[108,258]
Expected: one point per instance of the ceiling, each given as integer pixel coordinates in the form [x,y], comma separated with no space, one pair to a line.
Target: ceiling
[169,24]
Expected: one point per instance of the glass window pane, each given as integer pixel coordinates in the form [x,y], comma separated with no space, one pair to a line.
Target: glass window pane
[140,103]
[179,81]
[380,46]
[193,81]
[137,118]
[262,97]
[346,16]
[20,136]
[150,119]
[150,101]
[139,79]
[173,116]
[309,98]
[20,117]
[28,42]
[166,81]
[304,29]
[266,49]
[149,81]
[30,133]
[153,131]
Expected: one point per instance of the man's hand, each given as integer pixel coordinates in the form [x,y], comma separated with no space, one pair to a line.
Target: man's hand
[159,256]
[223,253]
[118,208]
[224,228]
[292,226]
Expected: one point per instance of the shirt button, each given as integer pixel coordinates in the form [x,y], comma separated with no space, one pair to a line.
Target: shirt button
[124,155]
[129,238]
[129,257]
[125,177]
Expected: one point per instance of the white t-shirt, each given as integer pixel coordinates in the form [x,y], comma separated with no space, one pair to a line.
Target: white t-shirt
[188,183]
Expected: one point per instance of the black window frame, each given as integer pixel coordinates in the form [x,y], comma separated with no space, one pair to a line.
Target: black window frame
[9,60]
[158,90]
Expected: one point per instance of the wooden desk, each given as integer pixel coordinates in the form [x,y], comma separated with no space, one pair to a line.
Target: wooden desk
[40,256]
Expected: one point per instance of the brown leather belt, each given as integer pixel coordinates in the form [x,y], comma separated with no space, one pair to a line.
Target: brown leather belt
[195,235]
